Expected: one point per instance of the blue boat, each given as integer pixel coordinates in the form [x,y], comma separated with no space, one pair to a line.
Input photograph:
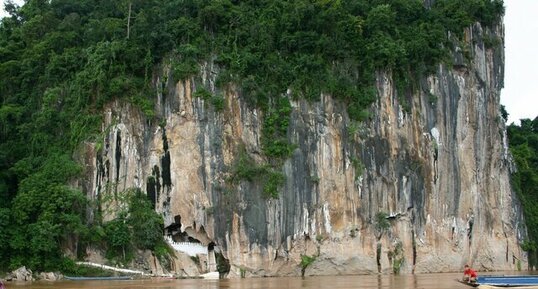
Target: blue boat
[98,278]
[527,281]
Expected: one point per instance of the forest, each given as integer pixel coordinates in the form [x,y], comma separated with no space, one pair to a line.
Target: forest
[61,61]
[523,140]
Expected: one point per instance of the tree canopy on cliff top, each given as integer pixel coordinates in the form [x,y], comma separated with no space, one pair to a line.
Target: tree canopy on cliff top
[62,60]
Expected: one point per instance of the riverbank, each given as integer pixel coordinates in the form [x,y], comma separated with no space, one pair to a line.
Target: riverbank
[92,271]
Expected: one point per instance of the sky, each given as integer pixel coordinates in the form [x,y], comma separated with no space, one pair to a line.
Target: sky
[520,92]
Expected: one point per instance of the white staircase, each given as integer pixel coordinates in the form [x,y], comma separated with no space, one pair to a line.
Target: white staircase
[191,249]
[194,249]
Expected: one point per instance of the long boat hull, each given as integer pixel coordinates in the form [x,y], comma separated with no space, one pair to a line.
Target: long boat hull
[98,278]
[474,284]
[497,287]
[519,281]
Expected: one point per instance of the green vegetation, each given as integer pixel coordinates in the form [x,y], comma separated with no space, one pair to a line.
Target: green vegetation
[396,257]
[215,100]
[305,262]
[136,227]
[381,221]
[71,269]
[397,265]
[381,225]
[246,169]
[271,185]
[43,217]
[358,166]
[61,61]
[523,142]
[275,146]
[275,128]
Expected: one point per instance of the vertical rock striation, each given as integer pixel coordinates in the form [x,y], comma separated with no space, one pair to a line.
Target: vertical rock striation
[432,163]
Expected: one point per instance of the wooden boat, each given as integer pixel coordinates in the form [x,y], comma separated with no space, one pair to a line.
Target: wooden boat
[472,284]
[98,278]
[519,281]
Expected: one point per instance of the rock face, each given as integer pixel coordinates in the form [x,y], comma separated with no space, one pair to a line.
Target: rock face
[432,166]
[50,276]
[21,274]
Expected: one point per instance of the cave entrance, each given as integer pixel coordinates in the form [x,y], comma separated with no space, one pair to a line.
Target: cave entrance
[175,227]
[192,242]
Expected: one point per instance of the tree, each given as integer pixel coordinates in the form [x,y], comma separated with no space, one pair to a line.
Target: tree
[381,223]
[523,141]
[118,236]
[47,214]
[146,224]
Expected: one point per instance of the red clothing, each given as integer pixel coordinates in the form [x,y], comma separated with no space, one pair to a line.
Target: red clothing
[470,272]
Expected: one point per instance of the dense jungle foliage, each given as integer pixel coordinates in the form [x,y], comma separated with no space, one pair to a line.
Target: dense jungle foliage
[62,60]
[523,141]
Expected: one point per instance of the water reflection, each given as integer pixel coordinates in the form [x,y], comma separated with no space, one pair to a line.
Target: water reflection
[420,281]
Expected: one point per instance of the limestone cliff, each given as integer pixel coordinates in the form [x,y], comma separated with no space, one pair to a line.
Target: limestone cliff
[433,164]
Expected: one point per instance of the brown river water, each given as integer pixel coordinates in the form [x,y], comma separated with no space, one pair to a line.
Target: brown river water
[417,281]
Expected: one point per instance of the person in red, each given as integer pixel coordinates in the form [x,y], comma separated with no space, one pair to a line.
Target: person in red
[469,275]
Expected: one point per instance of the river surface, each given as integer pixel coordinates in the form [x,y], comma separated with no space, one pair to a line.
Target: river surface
[418,281]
